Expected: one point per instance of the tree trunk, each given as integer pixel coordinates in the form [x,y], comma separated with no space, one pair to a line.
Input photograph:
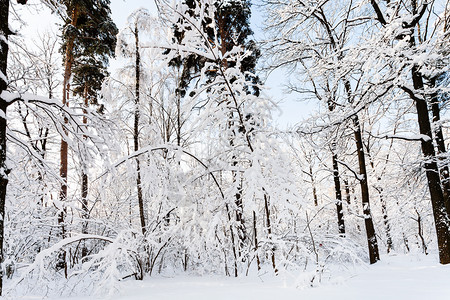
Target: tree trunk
[370,229]
[347,192]
[84,182]
[136,131]
[241,231]
[441,149]
[438,201]
[68,62]
[269,230]
[258,262]
[4,29]
[431,170]
[387,225]
[316,201]
[337,189]
[4,170]
[372,242]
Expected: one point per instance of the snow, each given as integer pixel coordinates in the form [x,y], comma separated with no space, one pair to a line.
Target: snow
[395,277]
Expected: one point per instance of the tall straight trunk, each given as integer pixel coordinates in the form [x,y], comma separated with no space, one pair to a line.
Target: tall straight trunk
[438,201]
[136,131]
[387,225]
[374,254]
[269,230]
[5,170]
[441,149]
[370,229]
[233,242]
[337,181]
[432,172]
[178,130]
[316,201]
[338,193]
[4,29]
[68,62]
[242,233]
[379,189]
[84,181]
[258,262]
[347,192]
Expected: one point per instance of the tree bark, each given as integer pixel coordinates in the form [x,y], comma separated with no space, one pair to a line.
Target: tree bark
[68,62]
[4,170]
[347,192]
[431,170]
[258,262]
[387,225]
[430,165]
[84,181]
[338,192]
[316,201]
[136,130]
[269,230]
[374,255]
[438,201]
[441,149]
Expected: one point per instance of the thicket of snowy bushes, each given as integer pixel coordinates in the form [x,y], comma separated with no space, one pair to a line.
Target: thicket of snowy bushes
[173,161]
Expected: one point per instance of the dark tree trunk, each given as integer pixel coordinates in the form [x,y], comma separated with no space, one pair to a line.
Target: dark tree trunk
[242,232]
[4,29]
[316,201]
[178,131]
[438,201]
[84,183]
[420,232]
[347,192]
[337,189]
[387,225]
[136,131]
[441,149]
[370,229]
[374,254]
[269,230]
[258,262]
[431,170]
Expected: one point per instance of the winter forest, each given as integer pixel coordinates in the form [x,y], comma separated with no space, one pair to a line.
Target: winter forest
[169,163]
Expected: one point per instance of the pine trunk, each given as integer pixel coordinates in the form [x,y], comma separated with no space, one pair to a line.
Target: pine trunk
[68,62]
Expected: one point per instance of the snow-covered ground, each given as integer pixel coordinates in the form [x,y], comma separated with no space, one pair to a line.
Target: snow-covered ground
[395,277]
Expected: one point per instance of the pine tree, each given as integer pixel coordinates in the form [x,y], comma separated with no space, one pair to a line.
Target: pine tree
[89,38]
[233,29]
[227,29]
[94,44]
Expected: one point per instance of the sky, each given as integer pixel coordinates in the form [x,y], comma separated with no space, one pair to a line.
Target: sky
[290,112]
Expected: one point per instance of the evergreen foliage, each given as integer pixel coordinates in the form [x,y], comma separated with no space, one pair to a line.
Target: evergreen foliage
[94,43]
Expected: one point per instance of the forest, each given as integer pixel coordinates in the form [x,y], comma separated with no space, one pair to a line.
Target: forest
[170,162]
